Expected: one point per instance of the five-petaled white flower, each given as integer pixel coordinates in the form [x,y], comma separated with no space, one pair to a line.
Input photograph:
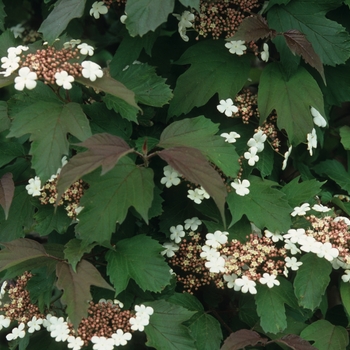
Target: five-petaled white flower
[292,263]
[245,285]
[236,47]
[320,208]
[230,279]
[251,156]
[64,80]
[177,233]
[74,343]
[286,156]
[25,79]
[216,239]
[138,323]
[34,186]
[265,53]
[275,236]
[102,343]
[17,30]
[319,120]
[230,137]
[86,49]
[98,8]
[301,210]
[241,188]
[227,107]
[294,235]
[327,251]
[17,332]
[34,324]
[143,311]
[209,253]
[269,280]
[4,322]
[216,265]
[311,141]
[121,338]
[185,21]
[192,223]
[91,70]
[308,244]
[171,177]
[170,249]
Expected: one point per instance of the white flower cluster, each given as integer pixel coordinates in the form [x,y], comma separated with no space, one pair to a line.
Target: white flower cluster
[11,62]
[141,318]
[185,21]
[256,145]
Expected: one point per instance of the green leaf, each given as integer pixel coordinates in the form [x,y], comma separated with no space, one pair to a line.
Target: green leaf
[138,258]
[7,190]
[74,251]
[20,216]
[6,40]
[213,70]
[326,336]
[270,305]
[49,123]
[57,21]
[265,163]
[118,105]
[165,329]
[109,197]
[5,121]
[312,280]
[200,133]
[188,301]
[149,88]
[191,3]
[10,151]
[345,136]
[2,16]
[309,17]
[334,170]
[300,192]
[344,288]
[291,99]
[147,15]
[76,288]
[264,206]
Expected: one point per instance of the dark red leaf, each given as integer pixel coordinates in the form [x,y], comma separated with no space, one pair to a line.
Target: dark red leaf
[240,339]
[253,28]
[295,342]
[299,45]
[7,189]
[192,164]
[103,150]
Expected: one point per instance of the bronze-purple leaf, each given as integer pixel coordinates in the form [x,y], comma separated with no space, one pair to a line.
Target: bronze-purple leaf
[242,338]
[295,342]
[299,45]
[103,150]
[253,28]
[7,190]
[193,165]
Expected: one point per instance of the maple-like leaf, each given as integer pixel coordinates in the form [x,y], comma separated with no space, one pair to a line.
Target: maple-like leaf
[7,190]
[49,123]
[74,251]
[76,287]
[103,150]
[242,338]
[299,45]
[192,164]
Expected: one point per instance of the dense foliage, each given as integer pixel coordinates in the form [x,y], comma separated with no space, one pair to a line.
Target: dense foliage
[189,158]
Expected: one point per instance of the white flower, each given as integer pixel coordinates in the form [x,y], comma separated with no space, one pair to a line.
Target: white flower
[257,140]
[227,107]
[137,323]
[209,253]
[17,30]
[59,330]
[171,177]
[64,80]
[74,343]
[346,277]
[216,239]
[34,186]
[241,188]
[292,263]
[143,310]
[269,280]
[86,49]
[34,324]
[319,120]
[15,51]
[170,249]
[10,63]
[203,192]
[216,265]
[121,338]
[286,156]
[192,223]
[251,156]
[4,322]
[265,53]
[25,79]
[91,70]
[311,141]
[231,137]
[301,210]
[17,332]
[230,279]
[102,343]
[245,285]
[308,244]
[185,21]
[71,43]
[177,233]
[3,289]
[47,323]
[342,218]
[98,8]
[295,235]
[320,208]
[123,18]
[292,247]
[236,47]
[275,236]
[198,195]
[327,251]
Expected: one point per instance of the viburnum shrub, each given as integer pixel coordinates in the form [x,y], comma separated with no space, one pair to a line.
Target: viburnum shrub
[174,174]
